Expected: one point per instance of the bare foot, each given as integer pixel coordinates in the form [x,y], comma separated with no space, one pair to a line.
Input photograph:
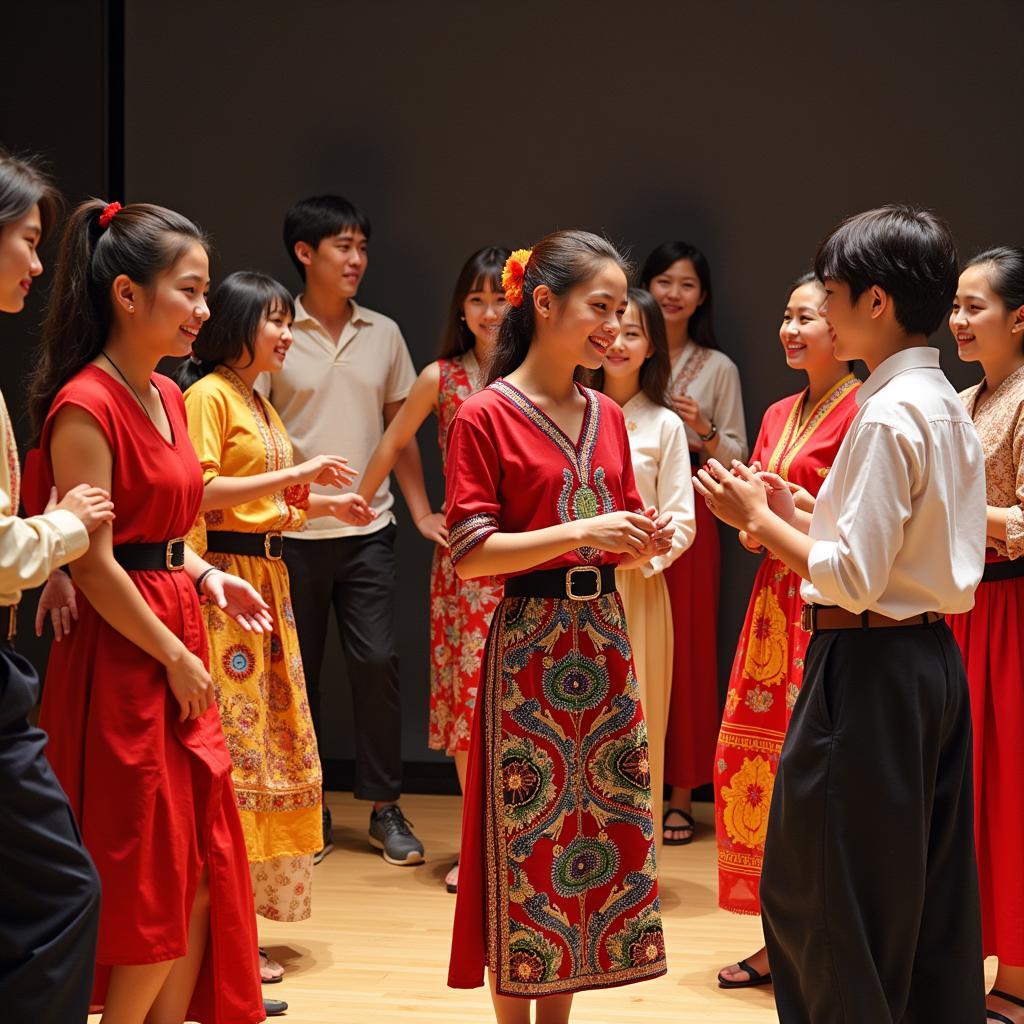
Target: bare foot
[451,880]
[735,973]
[1015,1013]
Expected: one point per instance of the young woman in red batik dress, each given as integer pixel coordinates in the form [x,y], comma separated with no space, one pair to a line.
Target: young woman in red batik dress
[135,738]
[988,324]
[460,610]
[558,888]
[798,440]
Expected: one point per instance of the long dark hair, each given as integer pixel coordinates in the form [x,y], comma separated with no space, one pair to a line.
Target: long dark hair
[141,241]
[23,184]
[657,368]
[238,307]
[561,261]
[702,323]
[483,267]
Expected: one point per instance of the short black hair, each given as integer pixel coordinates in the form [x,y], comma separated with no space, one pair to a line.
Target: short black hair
[318,217]
[907,251]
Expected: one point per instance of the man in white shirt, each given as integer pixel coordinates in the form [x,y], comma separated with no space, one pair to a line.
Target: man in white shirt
[869,891]
[347,373]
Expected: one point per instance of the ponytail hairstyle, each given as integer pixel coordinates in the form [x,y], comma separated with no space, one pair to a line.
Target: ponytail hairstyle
[139,240]
[561,261]
[1007,273]
[702,323]
[238,307]
[482,268]
[657,368]
[23,184]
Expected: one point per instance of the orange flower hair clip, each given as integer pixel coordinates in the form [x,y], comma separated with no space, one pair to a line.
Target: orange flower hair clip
[513,274]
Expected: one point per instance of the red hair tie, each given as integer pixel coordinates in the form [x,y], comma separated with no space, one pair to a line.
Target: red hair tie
[109,212]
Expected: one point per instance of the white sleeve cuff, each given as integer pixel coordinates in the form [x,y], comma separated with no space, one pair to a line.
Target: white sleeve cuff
[73,534]
[821,571]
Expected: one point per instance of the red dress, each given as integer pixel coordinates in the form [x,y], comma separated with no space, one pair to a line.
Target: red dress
[991,638]
[769,665]
[557,882]
[152,795]
[460,610]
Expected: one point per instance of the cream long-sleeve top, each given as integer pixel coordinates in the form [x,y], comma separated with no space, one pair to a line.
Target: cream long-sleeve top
[1000,425]
[661,465]
[711,379]
[899,524]
[30,549]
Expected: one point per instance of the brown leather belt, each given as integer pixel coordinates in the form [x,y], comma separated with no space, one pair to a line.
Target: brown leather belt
[814,617]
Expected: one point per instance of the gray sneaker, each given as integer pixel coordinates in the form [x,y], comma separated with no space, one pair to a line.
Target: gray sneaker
[390,833]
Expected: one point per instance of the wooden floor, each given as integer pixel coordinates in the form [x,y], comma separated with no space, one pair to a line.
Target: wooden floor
[376,948]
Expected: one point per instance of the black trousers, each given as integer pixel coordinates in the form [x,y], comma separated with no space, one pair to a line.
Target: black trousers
[870,889]
[354,576]
[49,889]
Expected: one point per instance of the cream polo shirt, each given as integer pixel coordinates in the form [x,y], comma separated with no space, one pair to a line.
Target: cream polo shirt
[899,524]
[331,398]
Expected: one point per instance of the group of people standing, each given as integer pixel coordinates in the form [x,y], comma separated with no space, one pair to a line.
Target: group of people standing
[212,524]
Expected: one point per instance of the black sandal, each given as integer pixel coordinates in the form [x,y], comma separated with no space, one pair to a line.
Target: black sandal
[690,823]
[756,978]
[995,1014]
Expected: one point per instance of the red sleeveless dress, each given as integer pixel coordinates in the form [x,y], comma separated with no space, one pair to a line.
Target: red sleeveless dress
[152,795]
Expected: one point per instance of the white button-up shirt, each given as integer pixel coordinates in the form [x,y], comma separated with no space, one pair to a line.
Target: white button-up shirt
[899,523]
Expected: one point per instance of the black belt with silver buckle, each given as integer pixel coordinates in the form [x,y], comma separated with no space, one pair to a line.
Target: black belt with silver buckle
[166,554]
[233,542]
[578,583]
[997,572]
[8,625]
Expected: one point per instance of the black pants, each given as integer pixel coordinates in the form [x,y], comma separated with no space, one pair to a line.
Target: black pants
[356,577]
[49,889]
[870,890]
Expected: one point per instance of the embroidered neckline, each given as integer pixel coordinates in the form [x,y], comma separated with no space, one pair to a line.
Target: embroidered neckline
[277,449]
[794,437]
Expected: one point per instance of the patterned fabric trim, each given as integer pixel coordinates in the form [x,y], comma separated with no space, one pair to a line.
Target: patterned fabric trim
[276,446]
[579,455]
[794,437]
[690,370]
[465,536]
[263,800]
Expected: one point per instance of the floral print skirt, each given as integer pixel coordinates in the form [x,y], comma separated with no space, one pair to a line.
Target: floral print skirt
[460,616]
[264,711]
[766,677]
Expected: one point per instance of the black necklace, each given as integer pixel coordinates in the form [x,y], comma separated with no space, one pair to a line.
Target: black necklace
[127,384]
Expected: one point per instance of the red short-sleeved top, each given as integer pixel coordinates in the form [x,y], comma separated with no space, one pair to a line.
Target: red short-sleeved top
[511,469]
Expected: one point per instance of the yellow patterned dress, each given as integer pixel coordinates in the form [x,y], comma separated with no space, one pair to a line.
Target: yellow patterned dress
[261,689]
[769,665]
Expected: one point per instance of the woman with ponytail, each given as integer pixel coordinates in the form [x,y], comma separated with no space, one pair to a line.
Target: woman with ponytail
[557,879]
[135,736]
[48,886]
[252,492]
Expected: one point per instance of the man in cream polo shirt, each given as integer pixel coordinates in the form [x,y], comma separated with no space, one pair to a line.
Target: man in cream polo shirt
[346,376]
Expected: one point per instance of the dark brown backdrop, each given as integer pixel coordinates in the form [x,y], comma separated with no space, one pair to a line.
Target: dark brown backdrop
[746,128]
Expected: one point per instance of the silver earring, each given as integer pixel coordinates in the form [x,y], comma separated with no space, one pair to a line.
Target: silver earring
[131,308]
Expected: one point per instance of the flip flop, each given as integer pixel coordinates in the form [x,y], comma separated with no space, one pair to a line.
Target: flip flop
[690,823]
[756,978]
[271,972]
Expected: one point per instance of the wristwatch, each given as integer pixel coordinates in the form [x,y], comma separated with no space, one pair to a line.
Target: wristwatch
[710,434]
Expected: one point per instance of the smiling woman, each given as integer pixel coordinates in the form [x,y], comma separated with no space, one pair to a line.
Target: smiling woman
[136,739]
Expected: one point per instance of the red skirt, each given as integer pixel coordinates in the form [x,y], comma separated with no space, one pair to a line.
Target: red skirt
[558,889]
[694,716]
[991,637]
[767,674]
[155,804]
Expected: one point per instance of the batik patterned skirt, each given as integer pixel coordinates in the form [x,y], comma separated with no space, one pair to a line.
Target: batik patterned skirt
[557,886]
[264,710]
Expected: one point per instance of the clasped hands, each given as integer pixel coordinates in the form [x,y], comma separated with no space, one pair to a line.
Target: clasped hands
[744,496]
